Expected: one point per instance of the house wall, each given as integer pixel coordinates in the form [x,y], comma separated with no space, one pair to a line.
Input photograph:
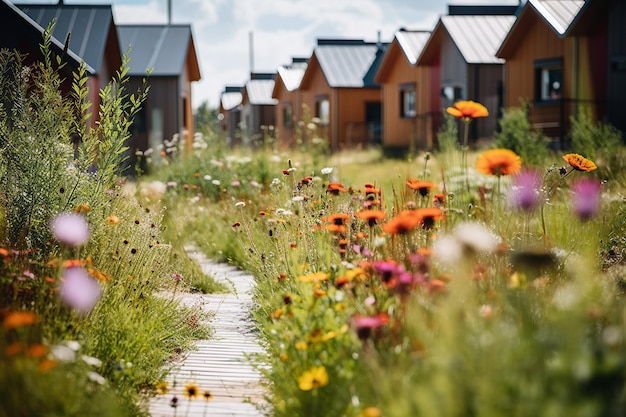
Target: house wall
[352,129]
[398,131]
[285,135]
[538,42]
[616,79]
[485,87]
[317,86]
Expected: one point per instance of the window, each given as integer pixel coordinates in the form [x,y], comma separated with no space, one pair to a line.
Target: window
[322,110]
[287,115]
[451,94]
[548,79]
[407,100]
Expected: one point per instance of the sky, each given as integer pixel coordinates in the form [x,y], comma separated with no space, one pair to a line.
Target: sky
[281,29]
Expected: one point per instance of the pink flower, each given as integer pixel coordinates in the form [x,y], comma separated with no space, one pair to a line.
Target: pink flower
[79,290]
[525,192]
[586,202]
[235,183]
[70,229]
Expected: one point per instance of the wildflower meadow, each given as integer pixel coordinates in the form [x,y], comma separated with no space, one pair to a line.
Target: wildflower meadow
[484,280]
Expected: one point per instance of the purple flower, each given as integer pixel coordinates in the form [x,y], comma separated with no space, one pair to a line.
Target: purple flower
[70,229]
[79,290]
[586,202]
[525,192]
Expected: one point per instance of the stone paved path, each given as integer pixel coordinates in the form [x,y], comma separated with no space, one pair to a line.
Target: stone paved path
[219,365]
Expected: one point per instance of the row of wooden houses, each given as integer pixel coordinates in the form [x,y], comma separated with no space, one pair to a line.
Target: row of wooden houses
[89,34]
[559,56]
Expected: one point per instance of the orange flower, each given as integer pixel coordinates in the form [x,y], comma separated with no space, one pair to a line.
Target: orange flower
[579,162]
[468,110]
[335,188]
[403,223]
[499,162]
[19,319]
[428,216]
[337,219]
[423,187]
[371,216]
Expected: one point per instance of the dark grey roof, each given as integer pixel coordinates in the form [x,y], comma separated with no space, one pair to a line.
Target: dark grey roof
[162,48]
[346,65]
[88,25]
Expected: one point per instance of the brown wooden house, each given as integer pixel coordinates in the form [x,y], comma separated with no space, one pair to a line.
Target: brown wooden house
[565,57]
[339,90]
[407,116]
[230,114]
[289,111]
[258,114]
[461,55]
[169,52]
[92,36]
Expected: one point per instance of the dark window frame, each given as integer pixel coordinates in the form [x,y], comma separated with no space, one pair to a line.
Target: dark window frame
[548,79]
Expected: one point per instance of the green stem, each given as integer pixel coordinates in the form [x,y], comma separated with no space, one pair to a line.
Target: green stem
[546,198]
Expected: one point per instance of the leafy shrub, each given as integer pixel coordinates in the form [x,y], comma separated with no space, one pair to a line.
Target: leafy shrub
[516,134]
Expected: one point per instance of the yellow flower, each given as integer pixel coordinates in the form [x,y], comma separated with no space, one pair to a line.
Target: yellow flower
[371,412]
[207,395]
[162,387]
[191,390]
[314,277]
[113,219]
[301,345]
[315,377]
[579,162]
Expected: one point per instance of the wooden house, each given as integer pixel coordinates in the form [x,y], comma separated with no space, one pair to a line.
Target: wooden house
[408,122]
[565,57]
[339,90]
[258,114]
[230,114]
[169,52]
[289,111]
[461,55]
[92,37]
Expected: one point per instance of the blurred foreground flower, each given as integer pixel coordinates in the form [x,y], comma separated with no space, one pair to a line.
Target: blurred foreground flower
[70,229]
[586,202]
[525,192]
[316,377]
[79,290]
[498,162]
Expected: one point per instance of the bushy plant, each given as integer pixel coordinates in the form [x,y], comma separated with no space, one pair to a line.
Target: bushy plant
[516,134]
[598,141]
[83,265]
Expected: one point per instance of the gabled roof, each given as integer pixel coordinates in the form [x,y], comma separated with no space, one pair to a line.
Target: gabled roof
[406,45]
[165,49]
[412,43]
[344,63]
[259,92]
[89,27]
[291,74]
[476,37]
[560,15]
[22,29]
[231,97]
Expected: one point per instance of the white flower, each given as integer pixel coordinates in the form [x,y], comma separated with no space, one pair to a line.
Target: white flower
[96,377]
[327,170]
[90,360]
[297,198]
[447,249]
[62,353]
[240,204]
[207,177]
[194,200]
[153,190]
[477,237]
[215,182]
